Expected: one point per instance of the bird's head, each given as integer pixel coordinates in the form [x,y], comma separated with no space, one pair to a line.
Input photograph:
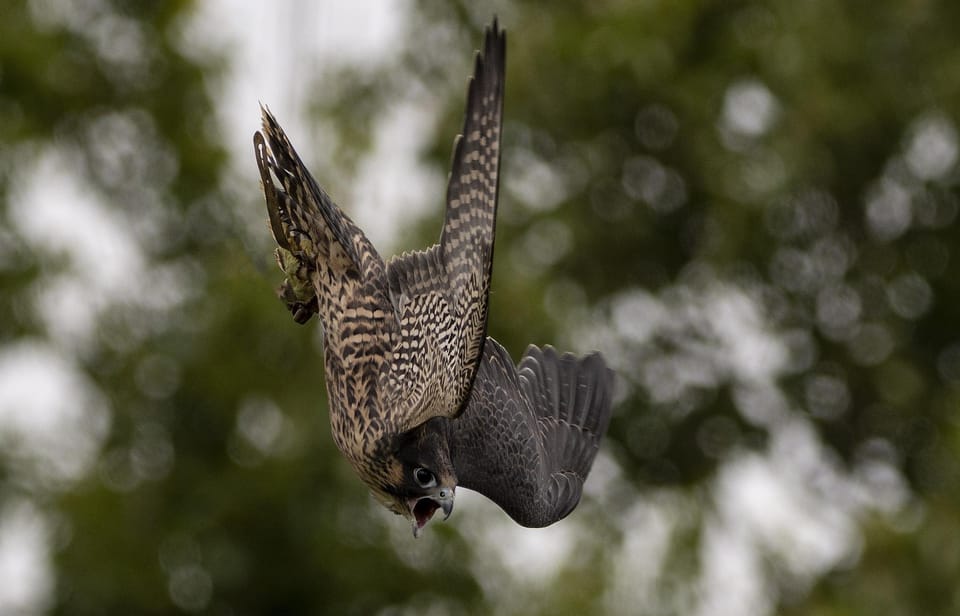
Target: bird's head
[421,477]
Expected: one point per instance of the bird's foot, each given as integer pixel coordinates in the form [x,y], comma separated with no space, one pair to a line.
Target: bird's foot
[297,291]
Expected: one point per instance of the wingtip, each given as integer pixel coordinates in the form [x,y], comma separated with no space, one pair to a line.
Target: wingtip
[268,120]
[258,138]
[493,51]
[494,29]
[494,41]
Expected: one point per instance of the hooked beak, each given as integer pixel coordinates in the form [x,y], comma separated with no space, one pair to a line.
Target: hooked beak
[423,508]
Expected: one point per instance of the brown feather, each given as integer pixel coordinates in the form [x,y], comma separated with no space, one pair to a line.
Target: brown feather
[402,340]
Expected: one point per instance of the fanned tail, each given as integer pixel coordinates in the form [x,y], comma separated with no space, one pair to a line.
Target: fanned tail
[573,412]
[529,434]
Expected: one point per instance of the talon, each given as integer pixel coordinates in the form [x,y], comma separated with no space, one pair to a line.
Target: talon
[302,306]
[302,315]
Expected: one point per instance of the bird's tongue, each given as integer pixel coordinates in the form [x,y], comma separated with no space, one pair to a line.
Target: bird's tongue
[424,510]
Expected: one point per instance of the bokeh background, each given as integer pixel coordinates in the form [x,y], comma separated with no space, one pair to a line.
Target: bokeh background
[749,207]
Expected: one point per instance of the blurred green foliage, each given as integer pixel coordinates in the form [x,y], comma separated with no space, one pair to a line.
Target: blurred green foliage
[803,154]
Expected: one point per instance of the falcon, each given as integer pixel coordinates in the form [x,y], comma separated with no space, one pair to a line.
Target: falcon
[421,400]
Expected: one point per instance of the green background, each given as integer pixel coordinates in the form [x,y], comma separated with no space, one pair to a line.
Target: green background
[749,207]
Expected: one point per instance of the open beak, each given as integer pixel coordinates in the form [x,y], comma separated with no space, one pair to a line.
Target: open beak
[423,508]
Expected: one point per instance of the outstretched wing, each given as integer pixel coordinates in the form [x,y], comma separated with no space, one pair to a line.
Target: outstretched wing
[529,434]
[303,218]
[440,294]
[333,270]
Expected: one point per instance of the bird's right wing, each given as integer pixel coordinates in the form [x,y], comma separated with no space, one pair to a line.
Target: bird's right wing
[441,293]
[529,434]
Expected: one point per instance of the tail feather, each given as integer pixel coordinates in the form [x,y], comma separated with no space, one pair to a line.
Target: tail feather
[572,403]
[529,434]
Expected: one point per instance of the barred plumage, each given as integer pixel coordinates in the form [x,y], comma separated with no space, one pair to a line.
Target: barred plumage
[403,340]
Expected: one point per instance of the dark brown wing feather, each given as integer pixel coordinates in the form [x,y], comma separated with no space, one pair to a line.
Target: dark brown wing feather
[529,434]
[441,293]
[338,266]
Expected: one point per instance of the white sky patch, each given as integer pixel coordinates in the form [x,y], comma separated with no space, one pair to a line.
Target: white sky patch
[534,556]
[295,43]
[754,354]
[685,337]
[648,528]
[392,189]
[792,505]
[732,579]
[24,569]
[532,182]
[606,479]
[749,108]
[59,215]
[51,416]
[932,146]
[888,209]
[511,560]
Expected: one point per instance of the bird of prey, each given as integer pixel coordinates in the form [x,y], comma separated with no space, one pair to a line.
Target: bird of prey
[421,400]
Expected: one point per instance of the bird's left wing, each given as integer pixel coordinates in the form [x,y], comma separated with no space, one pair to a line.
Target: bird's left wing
[440,294]
[529,434]
[333,270]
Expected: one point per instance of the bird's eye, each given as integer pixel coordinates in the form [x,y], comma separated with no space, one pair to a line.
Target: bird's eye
[424,478]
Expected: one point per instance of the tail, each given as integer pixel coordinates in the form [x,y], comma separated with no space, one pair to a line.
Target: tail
[572,399]
[529,434]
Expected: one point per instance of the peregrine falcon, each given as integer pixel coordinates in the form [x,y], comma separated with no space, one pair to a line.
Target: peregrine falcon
[421,400]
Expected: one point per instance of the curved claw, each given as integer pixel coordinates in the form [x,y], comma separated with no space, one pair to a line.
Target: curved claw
[302,308]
